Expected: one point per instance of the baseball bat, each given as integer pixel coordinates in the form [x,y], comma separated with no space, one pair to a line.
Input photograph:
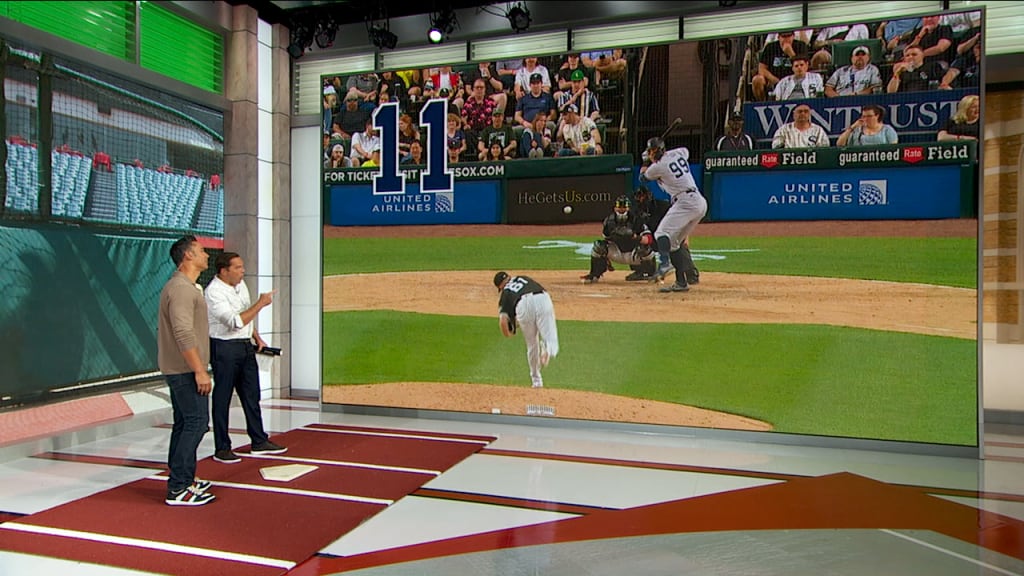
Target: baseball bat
[671,127]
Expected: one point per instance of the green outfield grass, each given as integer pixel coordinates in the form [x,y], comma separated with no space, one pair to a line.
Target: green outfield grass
[803,379]
[939,261]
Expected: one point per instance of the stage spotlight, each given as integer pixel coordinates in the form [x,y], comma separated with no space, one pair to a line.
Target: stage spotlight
[325,33]
[442,24]
[381,37]
[519,18]
[300,38]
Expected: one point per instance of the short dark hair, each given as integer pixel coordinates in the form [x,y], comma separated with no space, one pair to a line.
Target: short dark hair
[878,110]
[800,57]
[224,259]
[180,246]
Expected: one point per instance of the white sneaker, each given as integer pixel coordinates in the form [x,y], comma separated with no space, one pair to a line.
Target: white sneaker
[538,384]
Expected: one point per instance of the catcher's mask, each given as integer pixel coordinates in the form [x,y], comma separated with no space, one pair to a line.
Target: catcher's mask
[655,149]
[622,208]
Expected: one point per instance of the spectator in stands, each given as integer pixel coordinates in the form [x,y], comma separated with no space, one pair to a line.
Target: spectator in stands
[801,83]
[775,62]
[455,135]
[415,154]
[164,169]
[801,132]
[896,34]
[476,112]
[407,134]
[963,125]
[965,71]
[735,138]
[526,74]
[607,64]
[338,158]
[536,140]
[394,88]
[351,119]
[454,153]
[493,87]
[858,77]
[869,129]
[330,104]
[935,40]
[534,101]
[447,83]
[831,35]
[565,72]
[913,74]
[965,25]
[498,133]
[507,70]
[413,82]
[138,164]
[374,160]
[580,96]
[578,134]
[363,144]
[494,154]
[214,181]
[364,88]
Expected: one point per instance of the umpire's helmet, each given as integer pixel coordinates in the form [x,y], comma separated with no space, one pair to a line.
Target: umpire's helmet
[655,148]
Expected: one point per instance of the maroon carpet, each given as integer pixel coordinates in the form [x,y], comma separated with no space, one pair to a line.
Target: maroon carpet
[248,517]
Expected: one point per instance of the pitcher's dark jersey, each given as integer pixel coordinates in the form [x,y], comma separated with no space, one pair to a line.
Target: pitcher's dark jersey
[517,287]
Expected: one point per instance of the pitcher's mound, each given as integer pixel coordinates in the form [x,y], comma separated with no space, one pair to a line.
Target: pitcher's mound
[574,404]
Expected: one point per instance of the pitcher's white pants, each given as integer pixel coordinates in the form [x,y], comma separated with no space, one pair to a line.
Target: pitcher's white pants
[536,317]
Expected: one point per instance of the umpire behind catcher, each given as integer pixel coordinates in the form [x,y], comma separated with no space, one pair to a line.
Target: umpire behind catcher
[627,240]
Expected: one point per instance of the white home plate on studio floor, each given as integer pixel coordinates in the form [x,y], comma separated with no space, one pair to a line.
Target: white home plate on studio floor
[286,472]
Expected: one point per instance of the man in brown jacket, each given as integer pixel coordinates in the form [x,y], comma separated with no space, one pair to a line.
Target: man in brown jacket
[183,354]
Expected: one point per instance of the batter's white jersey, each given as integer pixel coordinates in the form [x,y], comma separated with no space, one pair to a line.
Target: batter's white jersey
[672,173]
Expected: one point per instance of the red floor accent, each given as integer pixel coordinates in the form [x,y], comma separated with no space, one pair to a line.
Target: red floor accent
[830,502]
[281,526]
[52,419]
[450,435]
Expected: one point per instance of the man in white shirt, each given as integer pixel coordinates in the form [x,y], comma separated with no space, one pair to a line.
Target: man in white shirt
[801,83]
[859,77]
[801,132]
[233,356]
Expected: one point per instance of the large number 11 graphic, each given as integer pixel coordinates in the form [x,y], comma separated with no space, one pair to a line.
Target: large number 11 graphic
[437,177]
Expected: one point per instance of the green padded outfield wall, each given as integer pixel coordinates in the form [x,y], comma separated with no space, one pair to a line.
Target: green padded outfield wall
[78,306]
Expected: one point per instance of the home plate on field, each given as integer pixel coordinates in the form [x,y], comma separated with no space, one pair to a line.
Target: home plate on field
[286,472]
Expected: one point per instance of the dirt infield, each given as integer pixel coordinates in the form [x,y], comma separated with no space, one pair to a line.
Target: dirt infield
[720,298]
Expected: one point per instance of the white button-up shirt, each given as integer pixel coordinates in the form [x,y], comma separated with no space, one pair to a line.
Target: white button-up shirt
[224,306]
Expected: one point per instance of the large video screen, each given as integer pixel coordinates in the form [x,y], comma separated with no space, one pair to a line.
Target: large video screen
[100,176]
[833,286]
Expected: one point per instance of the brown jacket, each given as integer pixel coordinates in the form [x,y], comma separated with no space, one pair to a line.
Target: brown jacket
[182,324]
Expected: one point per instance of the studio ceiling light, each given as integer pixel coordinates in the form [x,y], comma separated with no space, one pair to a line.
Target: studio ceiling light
[442,24]
[519,18]
[382,37]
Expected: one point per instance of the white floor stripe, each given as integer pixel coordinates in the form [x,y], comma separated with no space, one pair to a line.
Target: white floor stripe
[393,435]
[345,463]
[150,544]
[985,565]
[292,491]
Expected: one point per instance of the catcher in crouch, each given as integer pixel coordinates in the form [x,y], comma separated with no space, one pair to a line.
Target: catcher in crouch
[627,240]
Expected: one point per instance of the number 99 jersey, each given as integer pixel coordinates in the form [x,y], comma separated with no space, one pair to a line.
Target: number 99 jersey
[672,172]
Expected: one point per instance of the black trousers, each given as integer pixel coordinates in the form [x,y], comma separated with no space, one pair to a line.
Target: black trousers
[234,368]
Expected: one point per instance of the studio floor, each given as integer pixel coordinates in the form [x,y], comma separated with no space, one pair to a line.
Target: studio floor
[550,499]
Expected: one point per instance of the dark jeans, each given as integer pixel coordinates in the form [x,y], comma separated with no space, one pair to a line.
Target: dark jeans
[191,414]
[234,368]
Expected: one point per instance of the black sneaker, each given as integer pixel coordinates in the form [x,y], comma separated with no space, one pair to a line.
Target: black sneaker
[268,447]
[675,287]
[226,457]
[189,497]
[201,485]
[638,277]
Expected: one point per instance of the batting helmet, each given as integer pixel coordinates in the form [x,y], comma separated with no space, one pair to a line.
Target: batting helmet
[655,148]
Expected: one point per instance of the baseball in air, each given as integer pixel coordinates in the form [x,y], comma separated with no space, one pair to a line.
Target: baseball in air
[567,209]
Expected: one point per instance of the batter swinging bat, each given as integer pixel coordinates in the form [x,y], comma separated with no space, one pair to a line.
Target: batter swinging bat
[671,127]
